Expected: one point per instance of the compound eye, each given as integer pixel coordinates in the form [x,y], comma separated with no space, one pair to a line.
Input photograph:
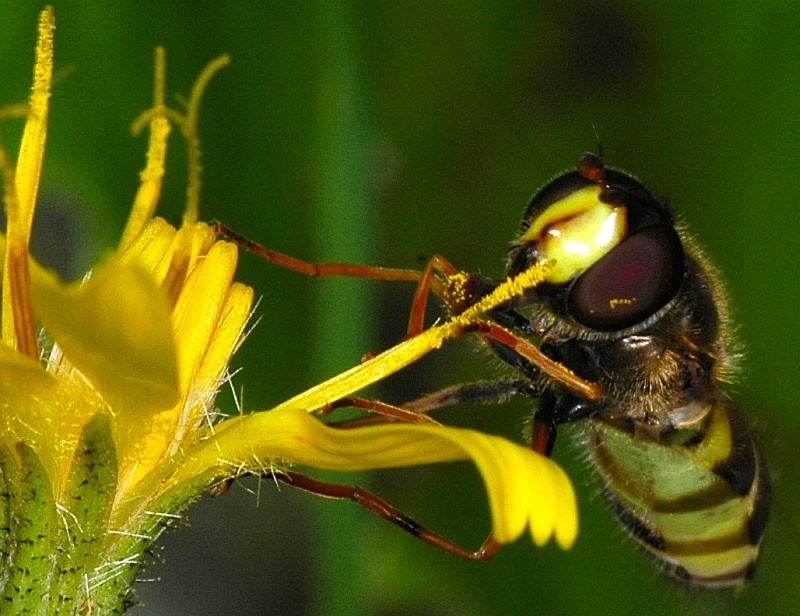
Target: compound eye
[631,283]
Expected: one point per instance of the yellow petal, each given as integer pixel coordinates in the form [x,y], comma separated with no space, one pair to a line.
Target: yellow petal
[183,423]
[410,350]
[200,307]
[41,411]
[17,327]
[156,245]
[152,247]
[524,488]
[227,335]
[208,319]
[116,329]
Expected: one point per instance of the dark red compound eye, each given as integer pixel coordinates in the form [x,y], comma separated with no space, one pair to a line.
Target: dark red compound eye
[631,283]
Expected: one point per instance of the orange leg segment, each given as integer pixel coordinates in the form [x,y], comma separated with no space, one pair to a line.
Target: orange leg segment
[427,283]
[317,269]
[377,505]
[386,412]
[526,349]
[426,280]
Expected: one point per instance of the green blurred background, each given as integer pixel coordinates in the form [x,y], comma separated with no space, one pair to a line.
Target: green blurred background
[385,132]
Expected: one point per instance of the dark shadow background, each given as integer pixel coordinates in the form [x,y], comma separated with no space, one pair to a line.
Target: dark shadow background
[385,132]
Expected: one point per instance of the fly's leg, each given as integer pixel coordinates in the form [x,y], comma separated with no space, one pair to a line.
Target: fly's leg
[429,280]
[378,506]
[432,279]
[388,512]
[482,392]
[383,411]
[317,269]
[553,411]
[416,411]
[428,283]
[544,430]
[532,354]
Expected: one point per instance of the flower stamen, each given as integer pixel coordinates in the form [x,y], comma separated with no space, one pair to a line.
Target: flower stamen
[159,117]
[146,200]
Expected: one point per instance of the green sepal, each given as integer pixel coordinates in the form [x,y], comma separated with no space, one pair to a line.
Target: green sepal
[6,538]
[29,556]
[143,530]
[82,566]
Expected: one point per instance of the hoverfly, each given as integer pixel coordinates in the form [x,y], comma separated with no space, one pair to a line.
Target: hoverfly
[632,306]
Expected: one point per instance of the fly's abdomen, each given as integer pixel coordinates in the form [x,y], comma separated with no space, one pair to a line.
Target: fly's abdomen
[696,500]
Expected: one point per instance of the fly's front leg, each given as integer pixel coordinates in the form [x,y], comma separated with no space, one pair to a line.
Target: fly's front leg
[317,269]
[429,280]
[428,283]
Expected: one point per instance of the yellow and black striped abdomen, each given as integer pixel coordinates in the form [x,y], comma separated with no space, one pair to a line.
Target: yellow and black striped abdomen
[697,500]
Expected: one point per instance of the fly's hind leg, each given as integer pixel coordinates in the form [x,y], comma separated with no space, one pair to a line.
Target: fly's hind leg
[388,512]
[376,505]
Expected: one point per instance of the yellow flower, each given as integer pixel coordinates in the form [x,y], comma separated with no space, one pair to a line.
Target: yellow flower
[108,427]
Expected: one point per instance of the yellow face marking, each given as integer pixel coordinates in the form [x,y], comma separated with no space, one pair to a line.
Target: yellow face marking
[576,232]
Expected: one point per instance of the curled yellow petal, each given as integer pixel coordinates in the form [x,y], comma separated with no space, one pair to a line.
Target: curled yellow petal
[525,489]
